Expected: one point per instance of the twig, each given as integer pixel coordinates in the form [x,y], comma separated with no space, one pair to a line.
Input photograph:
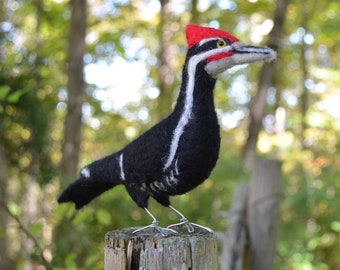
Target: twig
[22,227]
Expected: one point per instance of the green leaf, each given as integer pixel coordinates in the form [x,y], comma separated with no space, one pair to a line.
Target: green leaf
[14,208]
[4,90]
[15,96]
[70,261]
[2,231]
[335,225]
[36,228]
[103,216]
[21,264]
[92,260]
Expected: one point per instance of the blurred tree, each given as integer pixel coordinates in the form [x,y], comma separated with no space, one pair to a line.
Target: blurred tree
[73,126]
[168,64]
[4,258]
[267,77]
[5,262]
[75,88]
[27,106]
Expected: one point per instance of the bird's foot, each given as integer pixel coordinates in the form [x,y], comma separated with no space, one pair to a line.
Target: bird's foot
[189,226]
[154,226]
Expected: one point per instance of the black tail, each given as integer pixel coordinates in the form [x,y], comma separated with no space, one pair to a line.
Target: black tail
[83,191]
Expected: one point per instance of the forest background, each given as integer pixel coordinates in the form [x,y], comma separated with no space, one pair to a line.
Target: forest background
[80,79]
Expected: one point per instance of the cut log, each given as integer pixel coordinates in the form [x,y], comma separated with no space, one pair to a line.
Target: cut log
[153,251]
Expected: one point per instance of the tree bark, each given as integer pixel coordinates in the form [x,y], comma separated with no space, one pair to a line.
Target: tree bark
[194,12]
[304,100]
[4,260]
[235,239]
[266,80]
[263,211]
[168,63]
[3,168]
[182,251]
[76,88]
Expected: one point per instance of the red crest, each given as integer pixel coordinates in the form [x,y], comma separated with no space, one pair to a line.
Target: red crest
[196,33]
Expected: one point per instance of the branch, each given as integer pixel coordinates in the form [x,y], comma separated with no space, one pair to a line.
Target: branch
[23,228]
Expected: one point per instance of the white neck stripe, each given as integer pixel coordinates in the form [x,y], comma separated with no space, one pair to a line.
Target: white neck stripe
[189,99]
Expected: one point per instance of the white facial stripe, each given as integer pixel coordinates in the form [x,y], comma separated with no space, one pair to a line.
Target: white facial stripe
[85,172]
[193,62]
[122,174]
[203,41]
[189,99]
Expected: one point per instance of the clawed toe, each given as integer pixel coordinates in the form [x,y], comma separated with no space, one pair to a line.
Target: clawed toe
[202,227]
[185,222]
[189,226]
[166,231]
[154,226]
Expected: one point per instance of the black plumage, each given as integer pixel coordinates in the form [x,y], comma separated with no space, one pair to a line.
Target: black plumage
[178,153]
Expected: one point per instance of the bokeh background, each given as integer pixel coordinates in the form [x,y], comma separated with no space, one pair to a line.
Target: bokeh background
[80,79]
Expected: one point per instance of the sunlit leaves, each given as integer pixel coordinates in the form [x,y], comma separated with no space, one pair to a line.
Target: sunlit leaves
[103,216]
[4,90]
[8,97]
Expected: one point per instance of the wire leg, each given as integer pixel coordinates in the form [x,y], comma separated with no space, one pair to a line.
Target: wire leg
[184,221]
[154,226]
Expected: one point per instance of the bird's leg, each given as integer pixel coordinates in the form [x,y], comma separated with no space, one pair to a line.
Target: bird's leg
[184,221]
[154,225]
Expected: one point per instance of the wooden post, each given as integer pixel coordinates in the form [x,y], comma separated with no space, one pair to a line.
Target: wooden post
[153,251]
[234,240]
[263,209]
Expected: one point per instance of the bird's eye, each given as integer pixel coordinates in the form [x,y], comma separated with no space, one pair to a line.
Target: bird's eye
[221,43]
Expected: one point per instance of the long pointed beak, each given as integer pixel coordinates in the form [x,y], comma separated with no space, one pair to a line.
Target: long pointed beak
[241,54]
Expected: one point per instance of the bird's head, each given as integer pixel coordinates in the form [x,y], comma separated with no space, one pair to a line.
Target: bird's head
[219,50]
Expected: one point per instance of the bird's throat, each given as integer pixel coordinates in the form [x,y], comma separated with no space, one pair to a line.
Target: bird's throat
[196,97]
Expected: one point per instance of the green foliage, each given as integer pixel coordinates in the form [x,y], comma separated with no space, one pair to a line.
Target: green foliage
[6,97]
[4,90]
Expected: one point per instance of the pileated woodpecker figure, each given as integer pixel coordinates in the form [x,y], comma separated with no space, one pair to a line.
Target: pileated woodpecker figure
[178,153]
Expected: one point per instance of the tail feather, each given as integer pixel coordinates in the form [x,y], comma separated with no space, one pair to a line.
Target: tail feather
[82,192]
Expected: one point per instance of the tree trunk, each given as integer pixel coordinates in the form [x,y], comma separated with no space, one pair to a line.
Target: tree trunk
[4,260]
[31,207]
[263,211]
[304,102]
[3,168]
[76,88]
[267,76]
[235,239]
[194,12]
[168,63]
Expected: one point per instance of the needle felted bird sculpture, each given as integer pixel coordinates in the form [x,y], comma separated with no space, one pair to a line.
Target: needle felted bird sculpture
[179,153]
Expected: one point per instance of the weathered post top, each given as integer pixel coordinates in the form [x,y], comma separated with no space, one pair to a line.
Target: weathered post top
[153,251]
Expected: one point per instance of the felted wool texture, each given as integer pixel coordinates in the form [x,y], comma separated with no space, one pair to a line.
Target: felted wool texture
[241,54]
[178,153]
[196,34]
